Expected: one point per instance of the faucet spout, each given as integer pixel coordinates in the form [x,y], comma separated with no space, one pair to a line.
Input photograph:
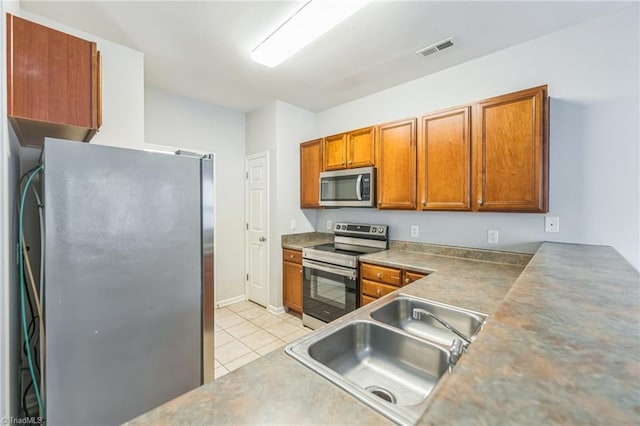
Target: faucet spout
[418,312]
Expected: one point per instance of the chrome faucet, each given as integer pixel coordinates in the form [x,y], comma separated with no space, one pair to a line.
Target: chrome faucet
[455,351]
[417,312]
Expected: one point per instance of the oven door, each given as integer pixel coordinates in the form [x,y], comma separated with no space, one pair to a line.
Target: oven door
[329,291]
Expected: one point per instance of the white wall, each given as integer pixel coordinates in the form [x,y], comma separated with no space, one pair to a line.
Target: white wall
[293,125]
[592,71]
[278,128]
[261,138]
[176,121]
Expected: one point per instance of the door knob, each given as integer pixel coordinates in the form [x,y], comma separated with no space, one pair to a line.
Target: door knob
[262,239]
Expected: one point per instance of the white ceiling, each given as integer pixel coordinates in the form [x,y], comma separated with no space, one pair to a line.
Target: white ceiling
[201,49]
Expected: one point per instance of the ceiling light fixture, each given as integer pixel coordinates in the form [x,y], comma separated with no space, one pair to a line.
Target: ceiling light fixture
[315,18]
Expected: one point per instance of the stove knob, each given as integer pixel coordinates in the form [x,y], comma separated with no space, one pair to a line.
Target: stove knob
[337,226]
[344,227]
[381,230]
[373,229]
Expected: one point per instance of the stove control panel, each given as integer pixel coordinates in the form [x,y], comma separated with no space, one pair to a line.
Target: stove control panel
[361,230]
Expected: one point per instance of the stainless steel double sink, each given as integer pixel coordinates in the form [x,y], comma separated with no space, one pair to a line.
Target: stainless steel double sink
[387,357]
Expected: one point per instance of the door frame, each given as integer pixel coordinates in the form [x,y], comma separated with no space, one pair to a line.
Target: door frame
[248,158]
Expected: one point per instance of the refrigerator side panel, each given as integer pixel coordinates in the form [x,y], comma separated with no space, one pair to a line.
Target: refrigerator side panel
[207,271]
[123,281]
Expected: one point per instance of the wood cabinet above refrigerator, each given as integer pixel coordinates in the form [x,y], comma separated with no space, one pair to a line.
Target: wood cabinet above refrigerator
[53,84]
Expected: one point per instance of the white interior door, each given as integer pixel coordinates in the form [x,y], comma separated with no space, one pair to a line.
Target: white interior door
[257,229]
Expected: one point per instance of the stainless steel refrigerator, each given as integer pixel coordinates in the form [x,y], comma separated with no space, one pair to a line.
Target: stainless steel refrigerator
[128,285]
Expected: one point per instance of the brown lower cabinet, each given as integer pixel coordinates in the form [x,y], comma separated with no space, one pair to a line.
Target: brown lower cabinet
[376,281]
[292,279]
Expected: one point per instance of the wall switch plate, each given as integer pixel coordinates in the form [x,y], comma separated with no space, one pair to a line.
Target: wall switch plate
[551,224]
[415,230]
[492,236]
[293,224]
[329,224]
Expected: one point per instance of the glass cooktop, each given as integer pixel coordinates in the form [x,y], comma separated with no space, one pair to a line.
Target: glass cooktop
[345,249]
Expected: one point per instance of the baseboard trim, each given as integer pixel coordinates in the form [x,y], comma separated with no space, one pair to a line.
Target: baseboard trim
[275,310]
[231,301]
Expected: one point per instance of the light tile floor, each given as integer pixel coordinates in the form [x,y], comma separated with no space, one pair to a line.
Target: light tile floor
[245,331]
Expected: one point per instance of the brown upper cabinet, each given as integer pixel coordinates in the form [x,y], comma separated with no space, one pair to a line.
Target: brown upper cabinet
[53,83]
[510,152]
[310,168]
[350,150]
[396,160]
[444,160]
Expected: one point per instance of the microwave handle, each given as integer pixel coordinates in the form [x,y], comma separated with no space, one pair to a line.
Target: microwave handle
[358,188]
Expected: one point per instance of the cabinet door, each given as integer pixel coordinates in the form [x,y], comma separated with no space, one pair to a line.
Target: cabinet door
[510,152]
[310,168]
[335,152]
[361,148]
[292,285]
[444,159]
[53,80]
[381,274]
[410,277]
[397,165]
[375,289]
[364,299]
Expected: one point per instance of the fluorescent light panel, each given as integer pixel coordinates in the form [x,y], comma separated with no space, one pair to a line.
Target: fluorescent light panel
[314,19]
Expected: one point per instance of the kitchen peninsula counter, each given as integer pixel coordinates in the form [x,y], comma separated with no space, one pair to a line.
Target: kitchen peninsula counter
[561,346]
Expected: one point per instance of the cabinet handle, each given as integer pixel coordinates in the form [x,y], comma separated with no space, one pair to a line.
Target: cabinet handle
[424,203]
[407,280]
[379,274]
[379,203]
[350,162]
[343,163]
[291,256]
[379,292]
[300,270]
[480,201]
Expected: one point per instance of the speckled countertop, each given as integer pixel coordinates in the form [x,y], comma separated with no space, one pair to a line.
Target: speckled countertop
[562,345]
[298,241]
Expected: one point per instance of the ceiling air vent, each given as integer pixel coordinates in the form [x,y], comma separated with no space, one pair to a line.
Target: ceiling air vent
[436,47]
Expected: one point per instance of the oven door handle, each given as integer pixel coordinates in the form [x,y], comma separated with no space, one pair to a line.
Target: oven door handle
[349,273]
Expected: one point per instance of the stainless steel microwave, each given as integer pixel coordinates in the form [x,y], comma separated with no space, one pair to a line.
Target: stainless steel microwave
[348,188]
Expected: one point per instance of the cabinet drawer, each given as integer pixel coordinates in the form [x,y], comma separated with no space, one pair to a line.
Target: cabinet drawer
[294,256]
[366,300]
[381,274]
[410,277]
[374,289]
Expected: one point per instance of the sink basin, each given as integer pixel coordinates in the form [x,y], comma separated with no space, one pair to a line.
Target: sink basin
[382,356]
[374,357]
[387,369]
[398,313]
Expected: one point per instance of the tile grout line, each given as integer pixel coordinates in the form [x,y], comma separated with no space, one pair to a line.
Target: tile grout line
[282,319]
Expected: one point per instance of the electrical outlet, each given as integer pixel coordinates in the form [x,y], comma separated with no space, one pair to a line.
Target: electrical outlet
[329,224]
[293,224]
[492,236]
[415,230]
[551,224]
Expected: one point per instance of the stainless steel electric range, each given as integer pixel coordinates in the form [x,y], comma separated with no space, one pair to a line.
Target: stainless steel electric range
[331,283]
